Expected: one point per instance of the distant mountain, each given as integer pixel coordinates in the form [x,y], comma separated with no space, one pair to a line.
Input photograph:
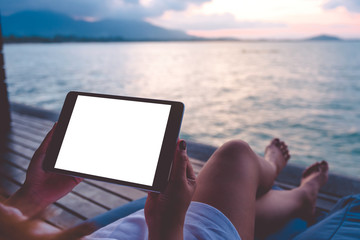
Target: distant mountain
[324,38]
[45,24]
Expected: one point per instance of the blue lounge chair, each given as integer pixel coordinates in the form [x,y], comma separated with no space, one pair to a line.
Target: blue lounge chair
[342,222]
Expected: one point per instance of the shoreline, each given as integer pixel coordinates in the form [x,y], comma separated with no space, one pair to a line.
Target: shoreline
[75,39]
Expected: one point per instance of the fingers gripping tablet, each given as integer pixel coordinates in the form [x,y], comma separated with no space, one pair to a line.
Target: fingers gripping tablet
[118,139]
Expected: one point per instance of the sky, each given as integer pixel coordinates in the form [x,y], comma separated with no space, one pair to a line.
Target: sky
[245,19]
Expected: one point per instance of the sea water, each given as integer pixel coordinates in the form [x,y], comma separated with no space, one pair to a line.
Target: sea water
[306,93]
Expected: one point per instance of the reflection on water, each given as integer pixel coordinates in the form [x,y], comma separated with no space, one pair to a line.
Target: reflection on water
[306,92]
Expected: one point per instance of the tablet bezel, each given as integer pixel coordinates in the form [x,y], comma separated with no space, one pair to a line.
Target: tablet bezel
[167,149]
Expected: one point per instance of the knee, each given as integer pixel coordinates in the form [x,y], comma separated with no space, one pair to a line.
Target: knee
[236,150]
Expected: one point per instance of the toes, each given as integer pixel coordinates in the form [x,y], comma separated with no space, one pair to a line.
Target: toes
[282,147]
[323,166]
[312,168]
[284,150]
[276,141]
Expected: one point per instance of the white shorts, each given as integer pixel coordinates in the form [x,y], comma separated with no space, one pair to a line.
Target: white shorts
[202,222]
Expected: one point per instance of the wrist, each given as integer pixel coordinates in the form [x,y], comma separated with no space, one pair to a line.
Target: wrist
[167,231]
[27,201]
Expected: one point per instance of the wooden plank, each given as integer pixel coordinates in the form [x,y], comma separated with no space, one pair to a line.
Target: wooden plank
[19,149]
[82,207]
[101,197]
[24,141]
[34,112]
[27,132]
[32,121]
[17,160]
[33,117]
[127,193]
[324,204]
[60,218]
[12,172]
[29,126]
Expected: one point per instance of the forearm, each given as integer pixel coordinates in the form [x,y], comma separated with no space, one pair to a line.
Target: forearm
[29,203]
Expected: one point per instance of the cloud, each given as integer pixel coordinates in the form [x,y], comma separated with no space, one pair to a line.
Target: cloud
[350,5]
[100,9]
[187,22]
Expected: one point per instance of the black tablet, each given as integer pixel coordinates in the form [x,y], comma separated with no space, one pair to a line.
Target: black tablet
[125,140]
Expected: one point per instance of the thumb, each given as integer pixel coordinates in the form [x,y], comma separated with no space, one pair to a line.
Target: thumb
[40,152]
[178,171]
[190,174]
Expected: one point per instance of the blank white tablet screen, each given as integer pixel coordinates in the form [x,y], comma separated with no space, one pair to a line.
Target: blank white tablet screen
[113,138]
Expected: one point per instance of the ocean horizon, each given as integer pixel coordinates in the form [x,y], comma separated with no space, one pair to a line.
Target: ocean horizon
[306,93]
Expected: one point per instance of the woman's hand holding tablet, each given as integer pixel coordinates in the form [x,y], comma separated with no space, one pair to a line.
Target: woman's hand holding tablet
[118,139]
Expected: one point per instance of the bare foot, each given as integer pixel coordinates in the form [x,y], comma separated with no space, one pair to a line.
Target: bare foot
[277,153]
[313,178]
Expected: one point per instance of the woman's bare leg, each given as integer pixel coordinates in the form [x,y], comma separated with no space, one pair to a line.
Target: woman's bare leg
[234,176]
[276,208]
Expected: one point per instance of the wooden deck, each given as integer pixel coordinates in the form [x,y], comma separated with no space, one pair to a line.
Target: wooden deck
[91,198]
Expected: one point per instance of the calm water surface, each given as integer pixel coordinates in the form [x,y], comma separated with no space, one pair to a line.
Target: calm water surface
[307,93]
